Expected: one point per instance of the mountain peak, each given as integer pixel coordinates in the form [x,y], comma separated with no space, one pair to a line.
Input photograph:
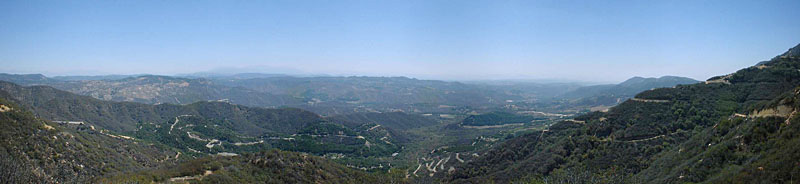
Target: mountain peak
[635,79]
[660,81]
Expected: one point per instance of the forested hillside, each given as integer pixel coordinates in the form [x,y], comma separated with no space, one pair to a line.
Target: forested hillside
[271,166]
[33,150]
[55,104]
[38,151]
[213,127]
[733,128]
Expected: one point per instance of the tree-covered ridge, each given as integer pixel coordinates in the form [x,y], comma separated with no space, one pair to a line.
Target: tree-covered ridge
[54,104]
[720,130]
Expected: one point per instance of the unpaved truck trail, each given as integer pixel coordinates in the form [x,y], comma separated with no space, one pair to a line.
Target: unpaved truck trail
[173,125]
[184,178]
[372,128]
[649,100]
[177,119]
[415,171]
[654,137]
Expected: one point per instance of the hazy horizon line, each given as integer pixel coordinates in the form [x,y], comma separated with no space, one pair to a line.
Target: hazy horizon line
[210,74]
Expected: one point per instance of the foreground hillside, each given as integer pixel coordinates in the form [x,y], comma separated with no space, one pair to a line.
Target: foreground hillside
[272,166]
[33,150]
[37,151]
[737,128]
[217,127]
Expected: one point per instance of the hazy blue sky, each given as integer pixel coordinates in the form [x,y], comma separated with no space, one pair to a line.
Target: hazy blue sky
[578,40]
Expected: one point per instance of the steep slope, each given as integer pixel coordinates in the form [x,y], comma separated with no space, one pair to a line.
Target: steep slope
[667,135]
[33,150]
[753,148]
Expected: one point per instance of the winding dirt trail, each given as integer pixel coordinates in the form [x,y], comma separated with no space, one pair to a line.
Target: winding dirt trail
[177,119]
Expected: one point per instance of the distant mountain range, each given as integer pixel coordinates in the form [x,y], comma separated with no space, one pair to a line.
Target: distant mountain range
[341,95]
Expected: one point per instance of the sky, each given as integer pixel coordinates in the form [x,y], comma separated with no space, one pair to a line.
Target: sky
[602,41]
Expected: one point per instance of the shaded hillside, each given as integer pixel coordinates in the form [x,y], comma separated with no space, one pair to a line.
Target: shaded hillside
[263,167]
[691,133]
[34,150]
